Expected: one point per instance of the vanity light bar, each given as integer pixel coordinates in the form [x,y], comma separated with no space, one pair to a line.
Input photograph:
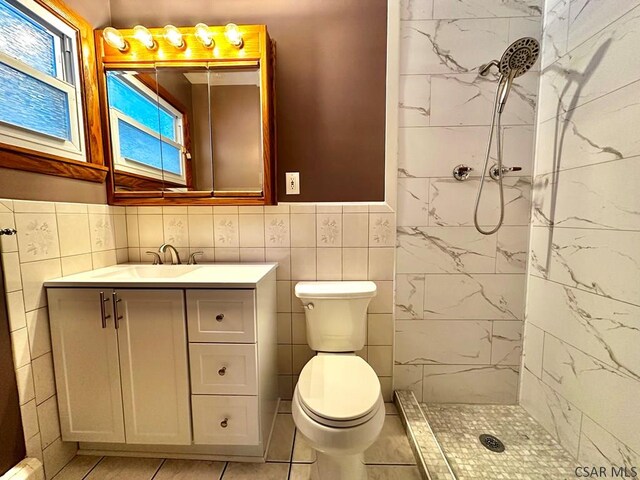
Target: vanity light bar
[204,35]
[114,38]
[144,36]
[173,35]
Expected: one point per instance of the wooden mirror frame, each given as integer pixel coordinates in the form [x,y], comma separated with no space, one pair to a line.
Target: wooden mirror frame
[257,51]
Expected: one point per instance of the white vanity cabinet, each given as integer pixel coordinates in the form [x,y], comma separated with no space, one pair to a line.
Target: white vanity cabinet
[182,366]
[121,365]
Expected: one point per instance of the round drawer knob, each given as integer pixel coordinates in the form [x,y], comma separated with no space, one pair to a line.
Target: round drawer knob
[220,317]
[224,423]
[222,371]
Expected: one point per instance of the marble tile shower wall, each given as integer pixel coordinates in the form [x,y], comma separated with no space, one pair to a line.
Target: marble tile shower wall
[581,376]
[459,294]
[53,239]
[323,242]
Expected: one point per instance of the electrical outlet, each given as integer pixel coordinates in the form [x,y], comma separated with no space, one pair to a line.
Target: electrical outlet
[293,183]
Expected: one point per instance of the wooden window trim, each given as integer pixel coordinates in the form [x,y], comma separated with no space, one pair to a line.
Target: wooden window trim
[94,169]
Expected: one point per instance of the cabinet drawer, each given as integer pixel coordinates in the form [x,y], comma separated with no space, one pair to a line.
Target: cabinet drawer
[219,420]
[225,316]
[223,369]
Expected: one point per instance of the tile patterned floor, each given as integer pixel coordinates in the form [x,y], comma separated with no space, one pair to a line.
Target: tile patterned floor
[289,458]
[531,453]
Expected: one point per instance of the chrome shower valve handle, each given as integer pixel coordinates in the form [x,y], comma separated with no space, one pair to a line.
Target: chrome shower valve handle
[495,173]
[462,172]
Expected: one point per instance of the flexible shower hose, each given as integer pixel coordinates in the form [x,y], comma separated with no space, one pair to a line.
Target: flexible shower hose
[496,119]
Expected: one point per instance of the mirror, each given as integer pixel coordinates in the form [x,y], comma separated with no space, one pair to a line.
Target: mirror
[236,130]
[159,130]
[191,124]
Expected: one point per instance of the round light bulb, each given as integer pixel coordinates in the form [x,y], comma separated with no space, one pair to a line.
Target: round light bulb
[232,32]
[173,36]
[114,38]
[204,35]
[143,35]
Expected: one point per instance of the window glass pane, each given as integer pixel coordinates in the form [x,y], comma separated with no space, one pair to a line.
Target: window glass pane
[29,103]
[130,101]
[143,148]
[22,38]
[171,158]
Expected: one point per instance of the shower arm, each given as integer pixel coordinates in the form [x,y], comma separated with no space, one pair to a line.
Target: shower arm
[486,68]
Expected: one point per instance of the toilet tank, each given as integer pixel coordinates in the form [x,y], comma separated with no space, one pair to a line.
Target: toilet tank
[336,314]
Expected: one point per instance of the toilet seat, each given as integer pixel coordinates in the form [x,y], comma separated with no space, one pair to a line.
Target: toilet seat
[339,390]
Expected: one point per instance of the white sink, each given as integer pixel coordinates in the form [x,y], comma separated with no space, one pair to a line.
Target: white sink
[149,272]
[216,275]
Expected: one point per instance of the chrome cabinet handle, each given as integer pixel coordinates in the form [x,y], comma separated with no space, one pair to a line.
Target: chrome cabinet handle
[119,317]
[103,312]
[220,317]
[222,371]
[8,231]
[224,423]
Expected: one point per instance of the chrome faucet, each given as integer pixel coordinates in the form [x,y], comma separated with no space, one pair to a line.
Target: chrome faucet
[175,256]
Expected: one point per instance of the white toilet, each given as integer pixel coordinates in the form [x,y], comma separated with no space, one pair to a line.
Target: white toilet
[337,404]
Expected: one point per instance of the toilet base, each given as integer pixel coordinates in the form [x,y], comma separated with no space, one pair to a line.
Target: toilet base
[339,467]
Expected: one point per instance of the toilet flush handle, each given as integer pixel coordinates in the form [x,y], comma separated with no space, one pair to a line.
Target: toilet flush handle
[309,306]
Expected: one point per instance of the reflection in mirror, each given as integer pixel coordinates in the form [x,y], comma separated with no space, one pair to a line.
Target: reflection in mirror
[236,130]
[136,124]
[187,91]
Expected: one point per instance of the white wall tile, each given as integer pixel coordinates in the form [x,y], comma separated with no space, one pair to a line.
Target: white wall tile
[470,384]
[15,309]
[382,230]
[37,236]
[303,230]
[48,421]
[329,264]
[43,378]
[355,263]
[74,234]
[409,296]
[34,274]
[20,346]
[176,229]
[415,100]
[225,228]
[102,232]
[39,332]
[76,264]
[447,342]
[329,229]
[303,263]
[24,378]
[381,263]
[355,232]
[252,230]
[277,230]
[11,270]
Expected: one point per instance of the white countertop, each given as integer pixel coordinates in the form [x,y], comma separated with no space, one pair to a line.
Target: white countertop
[213,275]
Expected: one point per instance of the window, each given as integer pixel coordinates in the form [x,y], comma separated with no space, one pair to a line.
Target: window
[146,131]
[40,96]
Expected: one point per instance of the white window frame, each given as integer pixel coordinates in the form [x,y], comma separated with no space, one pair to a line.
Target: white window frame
[131,165]
[74,149]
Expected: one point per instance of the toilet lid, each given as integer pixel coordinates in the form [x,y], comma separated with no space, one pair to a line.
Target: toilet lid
[338,388]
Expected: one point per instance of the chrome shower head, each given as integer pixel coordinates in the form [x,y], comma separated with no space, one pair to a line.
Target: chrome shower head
[516,60]
[519,57]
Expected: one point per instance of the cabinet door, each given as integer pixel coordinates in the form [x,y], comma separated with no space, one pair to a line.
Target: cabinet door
[226,316]
[153,359]
[86,366]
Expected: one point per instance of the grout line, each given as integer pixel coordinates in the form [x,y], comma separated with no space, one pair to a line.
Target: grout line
[158,469]
[92,468]
[224,470]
